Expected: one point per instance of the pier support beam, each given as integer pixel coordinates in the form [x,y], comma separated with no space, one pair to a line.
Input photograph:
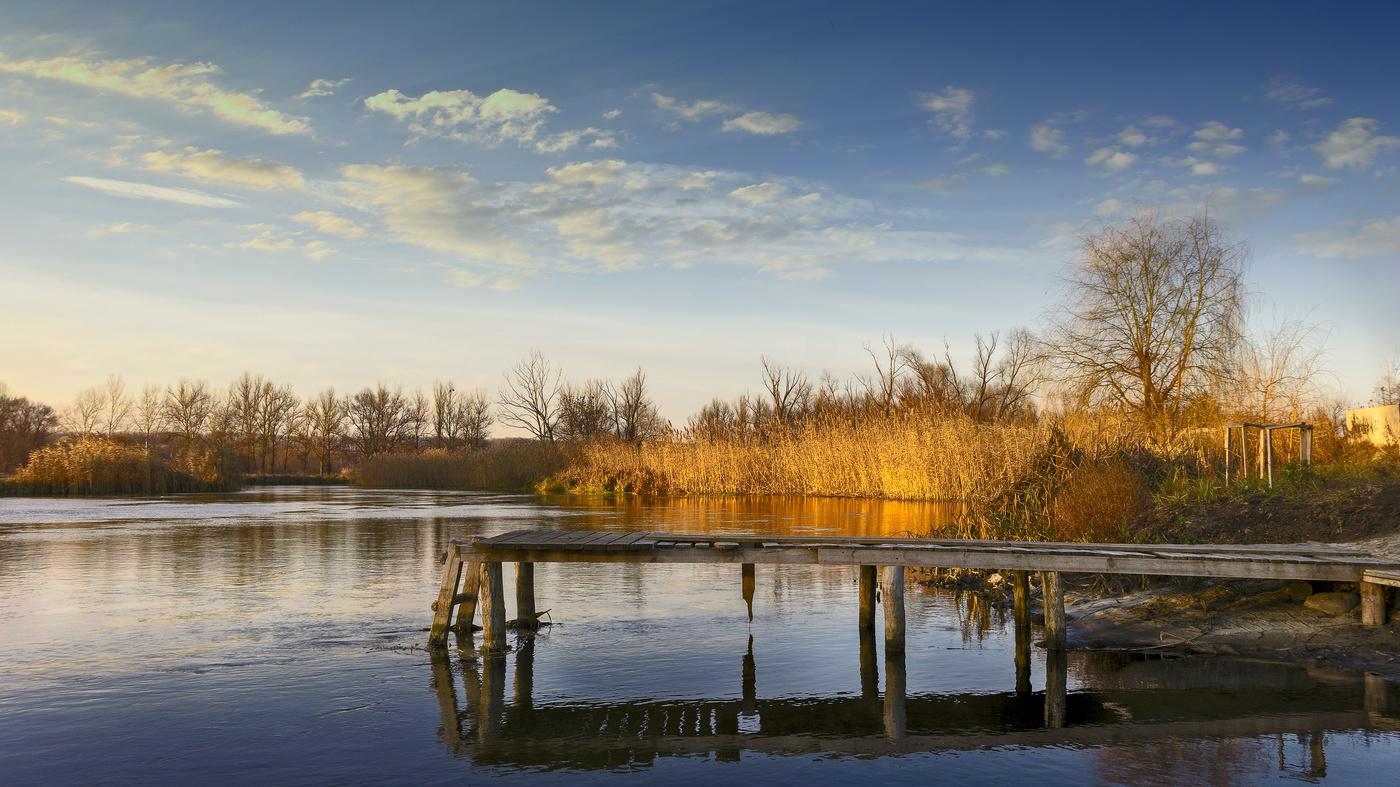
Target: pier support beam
[447,592]
[1021,592]
[1052,586]
[1372,604]
[892,591]
[525,596]
[893,710]
[493,609]
[466,600]
[867,597]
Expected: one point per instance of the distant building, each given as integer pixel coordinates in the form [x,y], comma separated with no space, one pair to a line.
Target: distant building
[1380,425]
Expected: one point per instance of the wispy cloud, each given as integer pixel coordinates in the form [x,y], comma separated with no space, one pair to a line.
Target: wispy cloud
[323,87]
[1112,158]
[271,238]
[185,84]
[504,116]
[1296,95]
[1375,238]
[694,111]
[1048,137]
[1354,145]
[763,123]
[952,110]
[12,118]
[330,223]
[212,166]
[122,188]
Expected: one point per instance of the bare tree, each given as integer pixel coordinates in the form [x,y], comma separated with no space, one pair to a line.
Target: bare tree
[24,426]
[473,417]
[585,411]
[789,389]
[323,428]
[890,365]
[528,398]
[1387,389]
[1151,314]
[418,412]
[188,408]
[277,421]
[150,413]
[116,406]
[634,415]
[83,417]
[1279,373]
[378,421]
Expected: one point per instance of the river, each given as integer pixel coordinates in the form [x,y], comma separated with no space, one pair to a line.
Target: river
[276,636]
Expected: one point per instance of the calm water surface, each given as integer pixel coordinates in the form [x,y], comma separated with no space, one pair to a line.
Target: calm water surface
[277,637]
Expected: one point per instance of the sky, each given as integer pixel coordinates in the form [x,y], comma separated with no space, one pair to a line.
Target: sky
[342,193]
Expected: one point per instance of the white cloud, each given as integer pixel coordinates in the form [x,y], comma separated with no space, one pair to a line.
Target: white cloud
[1353,145]
[952,110]
[694,111]
[186,85]
[1133,138]
[612,114]
[331,224]
[1215,131]
[504,116]
[274,239]
[760,194]
[1113,159]
[763,123]
[212,166]
[596,173]
[1297,95]
[323,87]
[696,180]
[1375,238]
[1048,139]
[1226,151]
[6,116]
[1204,168]
[1317,181]
[122,188]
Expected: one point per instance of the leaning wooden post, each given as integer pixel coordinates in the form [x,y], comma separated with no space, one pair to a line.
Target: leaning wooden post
[892,591]
[1053,590]
[493,609]
[447,592]
[525,595]
[867,597]
[1372,604]
[466,600]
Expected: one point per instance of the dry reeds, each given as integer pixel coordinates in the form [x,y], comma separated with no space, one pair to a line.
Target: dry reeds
[511,464]
[109,467]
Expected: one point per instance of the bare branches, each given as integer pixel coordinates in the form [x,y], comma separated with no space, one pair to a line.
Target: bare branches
[1279,373]
[527,399]
[1151,314]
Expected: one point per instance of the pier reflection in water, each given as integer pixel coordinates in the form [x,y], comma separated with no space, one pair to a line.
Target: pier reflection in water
[1214,714]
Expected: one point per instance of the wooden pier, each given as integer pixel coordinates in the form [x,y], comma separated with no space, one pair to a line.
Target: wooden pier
[472,574]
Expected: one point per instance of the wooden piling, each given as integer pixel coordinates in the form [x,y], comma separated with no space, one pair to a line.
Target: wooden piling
[466,600]
[747,582]
[869,670]
[1056,688]
[1021,592]
[892,593]
[525,596]
[493,609]
[447,591]
[491,710]
[894,711]
[867,597]
[1023,659]
[446,696]
[1372,604]
[1053,595]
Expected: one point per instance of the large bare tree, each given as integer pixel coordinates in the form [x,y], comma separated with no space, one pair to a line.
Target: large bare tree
[1151,314]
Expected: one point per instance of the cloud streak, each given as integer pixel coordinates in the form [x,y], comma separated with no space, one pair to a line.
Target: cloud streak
[122,188]
[505,116]
[184,84]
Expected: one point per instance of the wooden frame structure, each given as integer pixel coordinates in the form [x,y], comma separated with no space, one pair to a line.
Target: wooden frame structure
[472,569]
[1266,447]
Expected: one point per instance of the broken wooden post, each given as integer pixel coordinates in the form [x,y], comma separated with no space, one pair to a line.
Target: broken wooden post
[493,609]
[1372,604]
[892,592]
[1021,594]
[1052,590]
[1056,688]
[447,592]
[747,582]
[525,596]
[894,712]
[867,597]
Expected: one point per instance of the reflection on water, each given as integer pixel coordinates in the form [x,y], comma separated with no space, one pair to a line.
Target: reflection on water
[277,635]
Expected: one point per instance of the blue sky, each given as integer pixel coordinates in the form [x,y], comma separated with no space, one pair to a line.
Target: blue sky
[340,193]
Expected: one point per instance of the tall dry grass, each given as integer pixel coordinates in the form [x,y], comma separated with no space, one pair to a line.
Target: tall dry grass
[109,467]
[512,464]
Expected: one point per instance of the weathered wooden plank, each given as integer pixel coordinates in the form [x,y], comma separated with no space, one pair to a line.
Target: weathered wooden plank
[1382,577]
[1372,604]
[512,536]
[447,591]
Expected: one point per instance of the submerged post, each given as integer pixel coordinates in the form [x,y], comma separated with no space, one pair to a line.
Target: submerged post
[525,596]
[1056,688]
[867,597]
[1021,593]
[869,671]
[493,609]
[747,583]
[1372,604]
[894,711]
[1052,588]
[892,589]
